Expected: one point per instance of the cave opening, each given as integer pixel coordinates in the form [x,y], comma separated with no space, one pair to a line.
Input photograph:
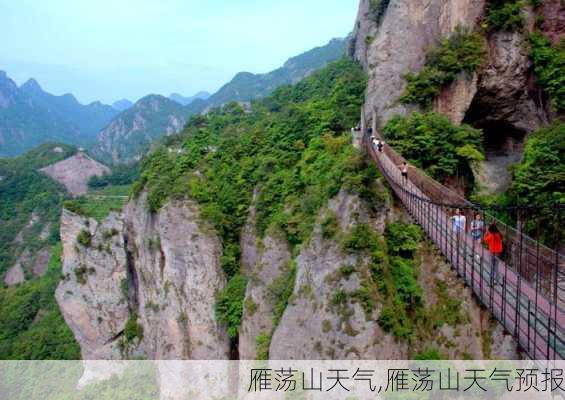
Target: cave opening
[503,144]
[501,139]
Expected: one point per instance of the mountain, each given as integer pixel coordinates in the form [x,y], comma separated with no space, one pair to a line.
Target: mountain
[246,86]
[187,100]
[122,105]
[129,134]
[30,116]
[89,119]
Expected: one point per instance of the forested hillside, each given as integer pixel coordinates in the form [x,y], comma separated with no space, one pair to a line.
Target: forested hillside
[31,325]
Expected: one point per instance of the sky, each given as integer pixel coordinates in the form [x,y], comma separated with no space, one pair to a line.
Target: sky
[111,49]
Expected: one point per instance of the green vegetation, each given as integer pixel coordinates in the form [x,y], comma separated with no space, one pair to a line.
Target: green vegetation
[26,192]
[448,309]
[229,304]
[396,270]
[31,325]
[280,292]
[540,179]
[505,15]
[429,354]
[462,52]
[121,175]
[360,238]
[82,272]
[330,226]
[95,206]
[263,342]
[431,142]
[549,67]
[132,335]
[133,329]
[84,238]
[391,278]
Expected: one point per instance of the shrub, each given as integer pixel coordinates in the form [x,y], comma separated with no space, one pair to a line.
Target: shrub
[360,238]
[429,354]
[280,291]
[431,142]
[263,342]
[330,226]
[462,52]
[403,239]
[406,282]
[133,330]
[549,67]
[229,304]
[339,298]
[505,15]
[82,272]
[84,238]
[540,179]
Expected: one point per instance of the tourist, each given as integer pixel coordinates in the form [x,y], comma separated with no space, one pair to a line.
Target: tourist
[458,222]
[404,172]
[493,239]
[477,232]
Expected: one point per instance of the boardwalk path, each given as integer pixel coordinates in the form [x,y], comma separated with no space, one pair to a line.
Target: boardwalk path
[530,305]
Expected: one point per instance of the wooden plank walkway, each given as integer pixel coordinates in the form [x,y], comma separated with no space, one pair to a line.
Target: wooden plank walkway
[536,321]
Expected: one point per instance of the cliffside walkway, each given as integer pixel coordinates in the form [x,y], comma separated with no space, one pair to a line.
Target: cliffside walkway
[530,302]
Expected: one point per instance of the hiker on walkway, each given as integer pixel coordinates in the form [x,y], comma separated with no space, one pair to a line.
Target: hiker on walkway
[404,172]
[477,232]
[493,239]
[458,223]
[380,146]
[376,142]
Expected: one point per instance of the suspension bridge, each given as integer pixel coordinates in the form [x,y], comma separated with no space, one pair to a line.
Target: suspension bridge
[530,301]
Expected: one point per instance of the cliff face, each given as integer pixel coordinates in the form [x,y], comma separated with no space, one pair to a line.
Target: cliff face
[501,98]
[143,285]
[393,40]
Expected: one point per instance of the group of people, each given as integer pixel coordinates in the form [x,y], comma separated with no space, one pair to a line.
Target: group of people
[492,238]
[379,145]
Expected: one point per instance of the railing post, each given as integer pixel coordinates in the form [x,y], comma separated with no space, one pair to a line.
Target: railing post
[537,292]
[519,276]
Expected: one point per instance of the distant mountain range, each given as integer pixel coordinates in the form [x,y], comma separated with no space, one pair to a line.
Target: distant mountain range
[30,116]
[122,105]
[124,131]
[185,101]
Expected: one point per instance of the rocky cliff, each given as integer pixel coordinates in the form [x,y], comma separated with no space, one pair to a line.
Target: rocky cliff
[144,285]
[392,37]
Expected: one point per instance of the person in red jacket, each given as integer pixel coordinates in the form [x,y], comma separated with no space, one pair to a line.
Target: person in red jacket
[493,240]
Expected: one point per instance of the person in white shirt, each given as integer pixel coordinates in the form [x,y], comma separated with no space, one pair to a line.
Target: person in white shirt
[458,222]
[404,172]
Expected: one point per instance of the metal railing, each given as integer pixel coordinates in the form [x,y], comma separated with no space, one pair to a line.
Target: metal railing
[530,301]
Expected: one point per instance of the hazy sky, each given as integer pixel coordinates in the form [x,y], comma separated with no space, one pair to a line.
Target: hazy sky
[110,49]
